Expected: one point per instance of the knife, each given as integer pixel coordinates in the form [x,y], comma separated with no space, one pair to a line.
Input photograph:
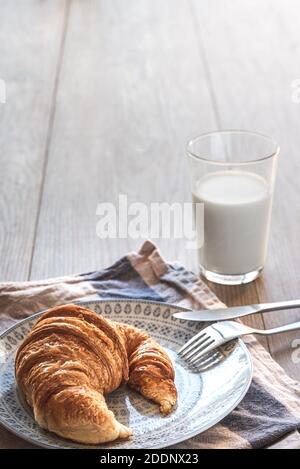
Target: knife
[233,312]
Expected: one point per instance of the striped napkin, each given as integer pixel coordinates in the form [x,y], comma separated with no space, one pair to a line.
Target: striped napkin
[268,416]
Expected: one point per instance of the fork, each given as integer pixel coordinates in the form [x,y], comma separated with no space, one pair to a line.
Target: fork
[195,351]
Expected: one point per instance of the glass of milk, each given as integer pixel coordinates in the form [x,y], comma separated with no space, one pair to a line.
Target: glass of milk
[233,174]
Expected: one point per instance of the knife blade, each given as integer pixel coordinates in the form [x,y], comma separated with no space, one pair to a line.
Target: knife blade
[234,312]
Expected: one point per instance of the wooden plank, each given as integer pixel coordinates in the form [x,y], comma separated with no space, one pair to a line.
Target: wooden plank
[250,50]
[132,90]
[10,441]
[30,39]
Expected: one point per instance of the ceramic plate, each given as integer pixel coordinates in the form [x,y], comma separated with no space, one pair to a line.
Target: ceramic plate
[204,398]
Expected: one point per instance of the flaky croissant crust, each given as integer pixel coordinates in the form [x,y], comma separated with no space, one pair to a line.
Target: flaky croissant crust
[73,357]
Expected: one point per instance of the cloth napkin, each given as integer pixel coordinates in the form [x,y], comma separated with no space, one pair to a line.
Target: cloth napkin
[269,414]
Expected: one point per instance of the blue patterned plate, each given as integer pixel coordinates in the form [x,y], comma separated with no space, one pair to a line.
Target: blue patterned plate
[203,398]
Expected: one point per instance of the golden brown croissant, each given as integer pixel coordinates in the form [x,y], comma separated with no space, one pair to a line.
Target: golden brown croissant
[73,357]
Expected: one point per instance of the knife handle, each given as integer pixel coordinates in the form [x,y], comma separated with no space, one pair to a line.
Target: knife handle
[265,307]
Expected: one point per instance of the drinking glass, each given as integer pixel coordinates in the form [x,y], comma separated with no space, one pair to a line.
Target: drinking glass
[233,174]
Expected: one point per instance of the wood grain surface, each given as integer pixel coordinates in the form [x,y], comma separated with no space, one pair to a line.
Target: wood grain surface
[30,38]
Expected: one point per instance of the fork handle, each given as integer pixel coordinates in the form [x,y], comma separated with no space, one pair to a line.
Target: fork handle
[288,327]
[265,307]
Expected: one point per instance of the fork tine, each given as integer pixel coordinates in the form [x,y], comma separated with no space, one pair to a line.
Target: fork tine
[209,361]
[191,341]
[208,347]
[206,359]
[193,345]
[191,351]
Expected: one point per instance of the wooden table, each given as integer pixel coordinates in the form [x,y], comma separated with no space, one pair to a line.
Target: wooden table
[101,98]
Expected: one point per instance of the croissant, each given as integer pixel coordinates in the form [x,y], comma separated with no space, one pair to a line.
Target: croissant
[73,357]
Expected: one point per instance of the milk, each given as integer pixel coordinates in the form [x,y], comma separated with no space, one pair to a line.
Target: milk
[237,206]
